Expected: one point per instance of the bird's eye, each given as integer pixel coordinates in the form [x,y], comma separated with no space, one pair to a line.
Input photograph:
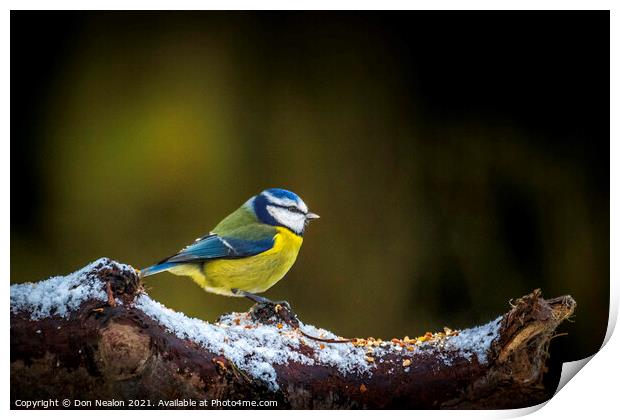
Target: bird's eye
[292,208]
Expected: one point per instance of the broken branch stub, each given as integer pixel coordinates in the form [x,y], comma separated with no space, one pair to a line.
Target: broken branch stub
[71,338]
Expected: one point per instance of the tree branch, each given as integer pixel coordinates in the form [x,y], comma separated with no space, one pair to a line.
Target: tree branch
[95,335]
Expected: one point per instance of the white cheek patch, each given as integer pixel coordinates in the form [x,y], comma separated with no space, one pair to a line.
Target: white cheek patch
[293,221]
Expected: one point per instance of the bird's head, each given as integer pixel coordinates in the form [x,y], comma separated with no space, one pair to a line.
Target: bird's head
[278,207]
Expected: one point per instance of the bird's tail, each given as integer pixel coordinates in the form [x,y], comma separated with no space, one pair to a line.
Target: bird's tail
[157,268]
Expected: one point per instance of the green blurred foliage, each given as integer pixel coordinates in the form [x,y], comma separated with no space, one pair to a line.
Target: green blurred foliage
[154,129]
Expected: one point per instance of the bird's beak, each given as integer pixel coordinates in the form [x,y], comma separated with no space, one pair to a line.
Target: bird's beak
[312,216]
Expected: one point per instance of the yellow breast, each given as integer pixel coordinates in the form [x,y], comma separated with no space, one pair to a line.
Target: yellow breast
[252,274]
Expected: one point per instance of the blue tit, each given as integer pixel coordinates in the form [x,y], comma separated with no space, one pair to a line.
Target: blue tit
[247,252]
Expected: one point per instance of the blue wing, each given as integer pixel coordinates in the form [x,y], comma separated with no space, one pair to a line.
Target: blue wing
[215,246]
[212,247]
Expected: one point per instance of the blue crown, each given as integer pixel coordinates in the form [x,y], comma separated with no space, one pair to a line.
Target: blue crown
[283,194]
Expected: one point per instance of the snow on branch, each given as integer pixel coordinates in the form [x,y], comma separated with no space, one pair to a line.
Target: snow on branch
[68,334]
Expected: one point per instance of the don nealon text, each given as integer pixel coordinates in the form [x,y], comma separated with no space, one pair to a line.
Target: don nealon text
[113,403]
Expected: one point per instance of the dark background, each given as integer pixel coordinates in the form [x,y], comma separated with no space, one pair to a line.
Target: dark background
[458,159]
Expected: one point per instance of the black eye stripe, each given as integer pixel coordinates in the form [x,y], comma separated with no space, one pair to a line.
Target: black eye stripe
[289,208]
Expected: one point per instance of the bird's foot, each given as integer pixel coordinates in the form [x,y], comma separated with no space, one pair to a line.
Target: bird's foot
[282,303]
[274,313]
[266,310]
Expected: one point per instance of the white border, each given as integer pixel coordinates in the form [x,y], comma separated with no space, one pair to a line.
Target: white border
[594,391]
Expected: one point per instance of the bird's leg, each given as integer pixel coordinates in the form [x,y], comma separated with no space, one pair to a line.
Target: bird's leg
[251,296]
[259,299]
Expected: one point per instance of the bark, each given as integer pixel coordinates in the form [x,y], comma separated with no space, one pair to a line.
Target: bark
[113,350]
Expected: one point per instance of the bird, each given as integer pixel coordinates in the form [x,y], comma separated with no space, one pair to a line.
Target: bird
[249,251]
